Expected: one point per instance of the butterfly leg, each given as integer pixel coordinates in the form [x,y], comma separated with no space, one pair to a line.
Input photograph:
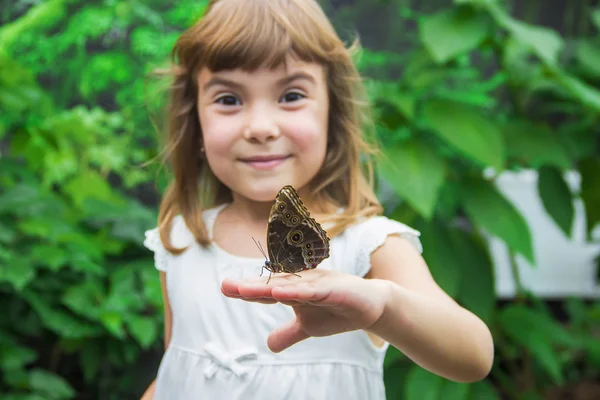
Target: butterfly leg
[269,277]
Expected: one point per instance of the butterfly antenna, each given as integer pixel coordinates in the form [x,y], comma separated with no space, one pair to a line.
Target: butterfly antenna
[260,248]
[263,250]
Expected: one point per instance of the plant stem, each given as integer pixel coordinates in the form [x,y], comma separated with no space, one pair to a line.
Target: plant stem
[514,268]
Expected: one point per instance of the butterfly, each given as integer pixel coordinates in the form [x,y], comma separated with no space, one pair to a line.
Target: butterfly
[295,241]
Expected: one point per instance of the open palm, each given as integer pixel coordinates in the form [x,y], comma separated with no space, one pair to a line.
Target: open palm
[324,302]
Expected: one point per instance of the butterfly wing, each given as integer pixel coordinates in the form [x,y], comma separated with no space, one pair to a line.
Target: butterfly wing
[295,240]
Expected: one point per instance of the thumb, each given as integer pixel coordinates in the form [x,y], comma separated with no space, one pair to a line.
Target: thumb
[286,336]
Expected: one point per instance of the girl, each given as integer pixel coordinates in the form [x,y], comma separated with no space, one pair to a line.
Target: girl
[265,95]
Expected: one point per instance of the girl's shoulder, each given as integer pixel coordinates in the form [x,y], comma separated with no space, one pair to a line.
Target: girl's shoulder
[180,235]
[367,234]
[374,230]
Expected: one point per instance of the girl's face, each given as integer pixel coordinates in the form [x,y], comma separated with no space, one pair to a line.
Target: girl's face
[265,129]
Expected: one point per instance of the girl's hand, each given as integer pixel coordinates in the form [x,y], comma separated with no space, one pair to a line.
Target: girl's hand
[325,302]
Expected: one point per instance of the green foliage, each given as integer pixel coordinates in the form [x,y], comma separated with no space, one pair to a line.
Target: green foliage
[448,130]
[80,296]
[480,92]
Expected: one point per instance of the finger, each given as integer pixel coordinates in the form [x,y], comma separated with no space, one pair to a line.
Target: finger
[301,293]
[232,291]
[286,336]
[254,290]
[230,288]
[255,300]
[263,301]
[289,302]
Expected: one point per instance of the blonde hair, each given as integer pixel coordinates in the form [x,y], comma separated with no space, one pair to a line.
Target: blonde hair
[249,34]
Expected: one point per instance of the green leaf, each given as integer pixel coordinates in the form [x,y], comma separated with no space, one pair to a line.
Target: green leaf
[18,271]
[595,15]
[51,256]
[394,379]
[520,69]
[535,145]
[16,379]
[546,355]
[556,197]
[143,329]
[84,298]
[590,190]
[152,289]
[420,68]
[422,385]
[468,131]
[449,200]
[39,16]
[91,22]
[88,185]
[83,262]
[416,173]
[441,256]
[538,333]
[587,54]
[454,390]
[584,93]
[27,201]
[477,289]
[493,212]
[392,356]
[123,295]
[15,357]
[113,322]
[59,321]
[483,390]
[405,103]
[105,69]
[21,396]
[393,94]
[593,352]
[543,42]
[91,359]
[453,32]
[7,234]
[51,385]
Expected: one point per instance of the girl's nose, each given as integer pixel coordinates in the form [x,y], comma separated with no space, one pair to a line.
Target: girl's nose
[261,126]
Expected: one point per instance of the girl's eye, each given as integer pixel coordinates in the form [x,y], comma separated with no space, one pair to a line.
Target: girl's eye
[228,100]
[292,96]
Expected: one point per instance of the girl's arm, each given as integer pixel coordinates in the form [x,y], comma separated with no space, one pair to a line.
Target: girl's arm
[423,322]
[401,304]
[149,393]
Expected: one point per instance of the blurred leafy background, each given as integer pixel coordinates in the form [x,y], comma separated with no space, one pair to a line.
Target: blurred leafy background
[463,90]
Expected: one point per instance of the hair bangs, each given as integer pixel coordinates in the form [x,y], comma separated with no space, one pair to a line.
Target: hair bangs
[259,33]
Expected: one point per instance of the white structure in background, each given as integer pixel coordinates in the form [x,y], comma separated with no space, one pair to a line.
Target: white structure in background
[565,266]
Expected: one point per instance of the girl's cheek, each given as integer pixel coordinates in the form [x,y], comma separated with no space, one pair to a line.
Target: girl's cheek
[308,133]
[218,133]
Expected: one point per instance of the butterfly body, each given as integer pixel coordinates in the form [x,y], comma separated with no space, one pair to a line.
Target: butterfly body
[295,241]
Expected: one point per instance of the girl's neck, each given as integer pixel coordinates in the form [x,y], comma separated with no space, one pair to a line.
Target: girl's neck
[249,210]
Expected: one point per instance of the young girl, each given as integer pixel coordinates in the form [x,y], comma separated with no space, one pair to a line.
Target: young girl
[266,95]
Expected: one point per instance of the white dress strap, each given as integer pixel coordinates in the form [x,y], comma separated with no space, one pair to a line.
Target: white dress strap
[373,233]
[161,256]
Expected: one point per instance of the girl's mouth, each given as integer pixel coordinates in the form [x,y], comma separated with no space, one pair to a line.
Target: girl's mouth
[265,162]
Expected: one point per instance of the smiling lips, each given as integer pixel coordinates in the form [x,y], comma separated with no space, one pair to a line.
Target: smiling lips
[265,162]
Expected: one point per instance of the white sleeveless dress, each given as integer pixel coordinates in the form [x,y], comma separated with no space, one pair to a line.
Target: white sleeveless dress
[218,346]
